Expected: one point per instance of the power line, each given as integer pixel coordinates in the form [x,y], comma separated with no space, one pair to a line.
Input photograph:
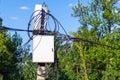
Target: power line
[57,25]
[92,42]
[62,37]
[13,29]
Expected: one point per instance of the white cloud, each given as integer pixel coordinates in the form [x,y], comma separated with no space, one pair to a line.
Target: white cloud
[24,8]
[14,18]
[118,2]
[71,5]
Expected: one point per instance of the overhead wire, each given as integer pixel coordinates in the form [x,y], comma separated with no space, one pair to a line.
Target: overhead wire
[81,39]
[32,16]
[92,42]
[48,24]
[57,25]
[29,23]
[40,38]
[13,29]
[24,45]
[71,38]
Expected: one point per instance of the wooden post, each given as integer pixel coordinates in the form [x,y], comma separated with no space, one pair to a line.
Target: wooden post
[41,71]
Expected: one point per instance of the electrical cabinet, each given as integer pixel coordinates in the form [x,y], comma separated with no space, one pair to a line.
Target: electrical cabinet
[43,49]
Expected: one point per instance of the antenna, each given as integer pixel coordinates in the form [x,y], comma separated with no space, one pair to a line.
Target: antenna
[44,4]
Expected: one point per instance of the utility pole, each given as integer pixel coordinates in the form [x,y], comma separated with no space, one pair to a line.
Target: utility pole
[43,43]
[41,71]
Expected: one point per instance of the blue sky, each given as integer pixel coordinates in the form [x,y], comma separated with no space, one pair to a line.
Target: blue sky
[16,13]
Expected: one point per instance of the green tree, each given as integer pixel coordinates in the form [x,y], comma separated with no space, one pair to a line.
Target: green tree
[99,22]
[27,69]
[54,71]
[8,56]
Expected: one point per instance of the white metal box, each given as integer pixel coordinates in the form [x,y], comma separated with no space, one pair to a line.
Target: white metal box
[43,49]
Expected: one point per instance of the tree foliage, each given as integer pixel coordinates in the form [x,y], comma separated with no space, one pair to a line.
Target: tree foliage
[15,59]
[27,69]
[99,22]
[8,54]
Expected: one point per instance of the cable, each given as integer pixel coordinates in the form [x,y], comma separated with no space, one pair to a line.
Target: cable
[49,24]
[37,44]
[74,39]
[24,45]
[92,42]
[29,23]
[38,16]
[13,29]
[64,38]
[57,25]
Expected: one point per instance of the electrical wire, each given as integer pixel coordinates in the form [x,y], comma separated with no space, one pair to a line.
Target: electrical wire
[24,45]
[37,44]
[56,30]
[58,23]
[64,37]
[39,16]
[57,26]
[13,29]
[92,42]
[29,23]
[49,24]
